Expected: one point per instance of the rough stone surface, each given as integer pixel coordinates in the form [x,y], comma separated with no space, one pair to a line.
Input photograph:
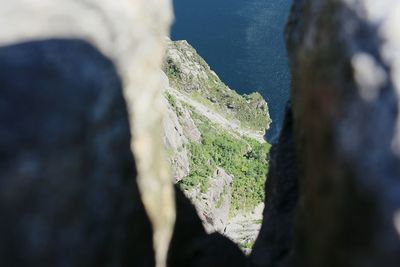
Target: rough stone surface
[275,241]
[131,33]
[191,246]
[175,141]
[244,228]
[186,70]
[190,129]
[189,74]
[67,193]
[68,196]
[344,57]
[213,206]
[191,70]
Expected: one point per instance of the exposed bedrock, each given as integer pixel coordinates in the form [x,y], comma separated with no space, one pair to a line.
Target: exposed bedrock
[131,33]
[345,64]
[68,194]
[69,189]
[275,241]
[191,246]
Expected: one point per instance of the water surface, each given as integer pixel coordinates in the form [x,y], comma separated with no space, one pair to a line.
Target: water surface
[242,40]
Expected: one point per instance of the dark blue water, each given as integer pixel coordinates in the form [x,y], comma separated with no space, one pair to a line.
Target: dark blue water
[243,42]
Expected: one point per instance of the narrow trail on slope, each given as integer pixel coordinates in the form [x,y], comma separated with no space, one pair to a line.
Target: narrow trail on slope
[216,117]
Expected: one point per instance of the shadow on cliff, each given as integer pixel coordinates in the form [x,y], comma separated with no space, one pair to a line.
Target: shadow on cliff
[340,147]
[191,246]
[68,195]
[274,243]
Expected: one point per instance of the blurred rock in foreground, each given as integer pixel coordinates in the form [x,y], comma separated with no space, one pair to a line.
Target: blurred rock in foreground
[131,34]
[345,63]
[68,195]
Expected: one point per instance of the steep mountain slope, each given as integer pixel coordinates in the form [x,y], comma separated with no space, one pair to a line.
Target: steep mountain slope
[214,139]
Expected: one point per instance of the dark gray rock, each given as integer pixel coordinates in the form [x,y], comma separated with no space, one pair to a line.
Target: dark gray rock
[67,191]
[191,246]
[344,62]
[275,241]
[342,147]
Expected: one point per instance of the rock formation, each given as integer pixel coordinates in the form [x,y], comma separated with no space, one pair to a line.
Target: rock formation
[191,246]
[68,194]
[344,58]
[199,105]
[274,244]
[214,204]
[175,141]
[69,190]
[190,74]
[131,34]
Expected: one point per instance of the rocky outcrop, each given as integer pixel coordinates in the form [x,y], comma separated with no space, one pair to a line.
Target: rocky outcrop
[190,129]
[190,74]
[131,34]
[213,206]
[274,244]
[191,246]
[68,192]
[244,228]
[345,102]
[175,142]
[196,97]
[179,130]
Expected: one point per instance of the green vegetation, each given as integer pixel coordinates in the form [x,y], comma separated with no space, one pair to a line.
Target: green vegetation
[248,245]
[174,104]
[189,73]
[220,200]
[244,159]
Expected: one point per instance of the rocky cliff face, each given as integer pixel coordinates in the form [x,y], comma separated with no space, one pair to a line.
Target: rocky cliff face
[69,187]
[130,34]
[68,193]
[340,144]
[200,105]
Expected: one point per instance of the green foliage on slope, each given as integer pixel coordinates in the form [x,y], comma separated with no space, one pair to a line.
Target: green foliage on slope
[189,73]
[244,159]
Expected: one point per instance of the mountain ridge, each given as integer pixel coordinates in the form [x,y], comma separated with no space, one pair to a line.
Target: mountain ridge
[215,143]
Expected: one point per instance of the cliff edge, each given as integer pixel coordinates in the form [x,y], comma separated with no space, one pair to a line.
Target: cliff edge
[215,143]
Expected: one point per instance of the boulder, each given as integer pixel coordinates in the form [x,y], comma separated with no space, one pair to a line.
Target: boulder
[132,35]
[68,194]
[344,59]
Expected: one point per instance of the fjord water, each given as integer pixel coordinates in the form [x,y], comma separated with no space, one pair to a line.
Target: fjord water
[243,41]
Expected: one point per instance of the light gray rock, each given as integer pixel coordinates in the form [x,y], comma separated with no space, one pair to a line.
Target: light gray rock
[244,228]
[174,137]
[219,199]
[189,127]
[213,205]
[190,75]
[131,34]
[183,63]
[175,143]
